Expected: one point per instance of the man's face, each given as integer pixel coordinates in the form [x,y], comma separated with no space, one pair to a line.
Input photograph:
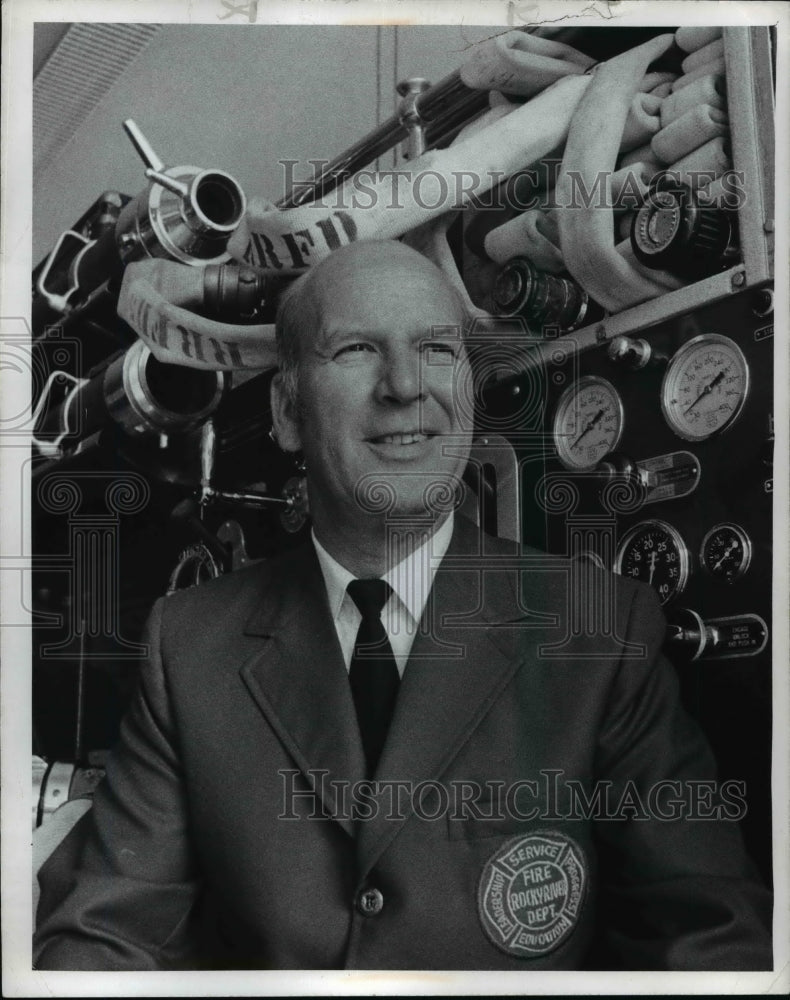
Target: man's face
[378,420]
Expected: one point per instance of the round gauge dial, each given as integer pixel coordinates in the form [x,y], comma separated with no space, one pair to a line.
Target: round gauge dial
[726,552]
[704,387]
[653,552]
[588,423]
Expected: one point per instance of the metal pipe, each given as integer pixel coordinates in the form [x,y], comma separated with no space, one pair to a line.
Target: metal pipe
[146,396]
[441,109]
[140,394]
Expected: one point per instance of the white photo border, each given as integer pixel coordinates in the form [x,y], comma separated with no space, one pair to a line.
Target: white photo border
[19,979]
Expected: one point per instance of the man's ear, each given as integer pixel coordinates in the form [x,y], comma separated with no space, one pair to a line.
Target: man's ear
[284,417]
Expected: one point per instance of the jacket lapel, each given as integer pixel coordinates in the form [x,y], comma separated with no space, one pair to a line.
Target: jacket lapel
[468,649]
[299,681]
[470,644]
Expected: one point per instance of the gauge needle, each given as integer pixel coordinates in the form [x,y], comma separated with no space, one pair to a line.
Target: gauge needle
[653,558]
[730,548]
[590,424]
[708,388]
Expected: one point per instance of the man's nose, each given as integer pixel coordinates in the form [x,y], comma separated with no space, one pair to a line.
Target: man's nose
[401,378]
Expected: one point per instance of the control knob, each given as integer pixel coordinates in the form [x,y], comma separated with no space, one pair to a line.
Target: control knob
[675,231]
[690,636]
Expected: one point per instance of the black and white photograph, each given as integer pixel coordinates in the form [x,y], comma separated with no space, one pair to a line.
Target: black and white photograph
[394,522]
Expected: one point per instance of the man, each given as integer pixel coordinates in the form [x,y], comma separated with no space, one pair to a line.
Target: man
[236,826]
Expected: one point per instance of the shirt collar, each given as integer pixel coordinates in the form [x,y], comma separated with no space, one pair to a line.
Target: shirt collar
[410,578]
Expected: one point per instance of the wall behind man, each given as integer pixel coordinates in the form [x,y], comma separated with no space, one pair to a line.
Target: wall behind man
[239,98]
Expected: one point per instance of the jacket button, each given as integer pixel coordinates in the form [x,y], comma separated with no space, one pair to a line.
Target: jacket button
[369,902]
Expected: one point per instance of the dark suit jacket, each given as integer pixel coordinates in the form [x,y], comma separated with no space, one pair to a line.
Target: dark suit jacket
[523,672]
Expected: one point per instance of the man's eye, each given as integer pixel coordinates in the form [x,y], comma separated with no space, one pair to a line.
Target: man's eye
[358,347]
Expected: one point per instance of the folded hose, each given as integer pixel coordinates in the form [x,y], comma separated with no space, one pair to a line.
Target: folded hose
[587,230]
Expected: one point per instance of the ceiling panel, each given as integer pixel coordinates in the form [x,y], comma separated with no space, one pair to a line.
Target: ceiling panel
[76,71]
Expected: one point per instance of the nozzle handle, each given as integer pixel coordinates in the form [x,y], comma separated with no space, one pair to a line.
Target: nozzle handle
[143,146]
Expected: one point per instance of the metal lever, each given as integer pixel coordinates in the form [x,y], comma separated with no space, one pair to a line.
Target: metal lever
[247,499]
[208,455]
[143,146]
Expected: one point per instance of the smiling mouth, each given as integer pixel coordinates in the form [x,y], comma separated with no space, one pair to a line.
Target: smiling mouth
[409,437]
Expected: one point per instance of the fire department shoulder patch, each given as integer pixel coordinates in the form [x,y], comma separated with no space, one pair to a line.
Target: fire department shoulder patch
[531,892]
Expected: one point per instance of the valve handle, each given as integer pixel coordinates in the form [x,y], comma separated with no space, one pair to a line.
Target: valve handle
[144,148]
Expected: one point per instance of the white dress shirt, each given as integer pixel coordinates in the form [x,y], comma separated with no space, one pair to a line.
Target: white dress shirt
[411,580]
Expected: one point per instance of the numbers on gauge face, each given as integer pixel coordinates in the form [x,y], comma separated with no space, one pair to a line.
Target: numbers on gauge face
[588,422]
[726,552]
[704,387]
[653,552]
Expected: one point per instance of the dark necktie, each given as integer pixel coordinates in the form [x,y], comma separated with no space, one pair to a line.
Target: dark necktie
[373,672]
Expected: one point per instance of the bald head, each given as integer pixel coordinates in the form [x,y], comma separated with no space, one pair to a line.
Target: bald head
[355,275]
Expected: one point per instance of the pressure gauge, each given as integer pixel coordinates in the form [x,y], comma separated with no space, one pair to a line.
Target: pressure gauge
[654,552]
[588,423]
[726,552]
[705,386]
